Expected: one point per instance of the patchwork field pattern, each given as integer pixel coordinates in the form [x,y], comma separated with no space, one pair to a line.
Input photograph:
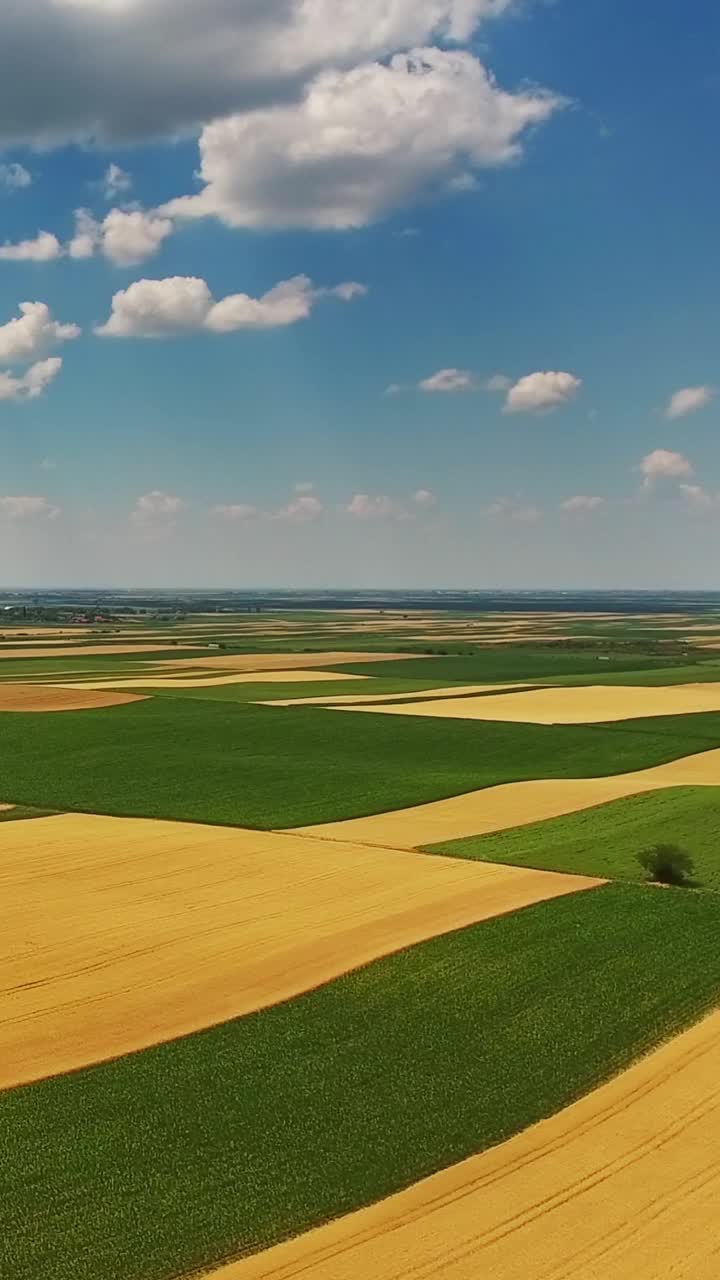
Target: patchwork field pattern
[624,1183]
[122,933]
[248,1027]
[590,705]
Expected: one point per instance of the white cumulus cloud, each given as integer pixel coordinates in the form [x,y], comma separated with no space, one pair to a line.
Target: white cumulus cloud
[689,400]
[14,177]
[664,464]
[115,181]
[513,510]
[697,497]
[424,498]
[237,512]
[125,237]
[366,506]
[361,143]
[448,380]
[27,337]
[156,511]
[133,69]
[184,304]
[43,248]
[581,503]
[130,236]
[301,510]
[149,68]
[28,508]
[30,384]
[541,392]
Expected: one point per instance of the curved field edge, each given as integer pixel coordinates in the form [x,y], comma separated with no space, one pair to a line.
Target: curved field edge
[152,930]
[269,767]
[619,1184]
[224,1143]
[604,840]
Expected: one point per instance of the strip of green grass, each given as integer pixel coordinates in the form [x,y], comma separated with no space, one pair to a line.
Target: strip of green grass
[103,664]
[282,767]
[604,840]
[509,662]
[225,1142]
[702,672]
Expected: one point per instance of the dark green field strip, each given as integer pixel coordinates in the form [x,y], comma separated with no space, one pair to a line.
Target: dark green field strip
[509,662]
[23,813]
[604,840]
[103,664]
[701,672]
[282,767]
[225,1142]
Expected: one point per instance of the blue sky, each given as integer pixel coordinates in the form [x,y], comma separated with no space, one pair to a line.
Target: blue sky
[554,229]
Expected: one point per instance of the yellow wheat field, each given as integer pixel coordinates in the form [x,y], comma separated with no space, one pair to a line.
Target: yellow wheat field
[514,804]
[118,933]
[587,705]
[174,680]
[624,1185]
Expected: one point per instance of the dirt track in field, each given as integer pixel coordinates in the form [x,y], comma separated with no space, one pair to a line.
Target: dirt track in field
[119,933]
[43,697]
[623,1185]
[589,704]
[513,804]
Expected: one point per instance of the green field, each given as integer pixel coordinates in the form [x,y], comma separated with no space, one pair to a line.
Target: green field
[267,767]
[604,840]
[513,662]
[706,671]
[224,1142]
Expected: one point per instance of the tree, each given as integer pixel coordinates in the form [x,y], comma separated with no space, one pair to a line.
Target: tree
[668,864]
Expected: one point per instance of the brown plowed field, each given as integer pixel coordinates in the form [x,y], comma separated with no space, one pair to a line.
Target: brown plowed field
[624,1185]
[513,804]
[118,933]
[44,697]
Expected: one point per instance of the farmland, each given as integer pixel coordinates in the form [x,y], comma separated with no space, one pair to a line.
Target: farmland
[314,906]
[604,841]
[284,767]
[230,1140]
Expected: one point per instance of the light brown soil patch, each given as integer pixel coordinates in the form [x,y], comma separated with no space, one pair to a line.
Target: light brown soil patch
[175,680]
[592,704]
[514,804]
[623,1185]
[283,661]
[118,933]
[44,697]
